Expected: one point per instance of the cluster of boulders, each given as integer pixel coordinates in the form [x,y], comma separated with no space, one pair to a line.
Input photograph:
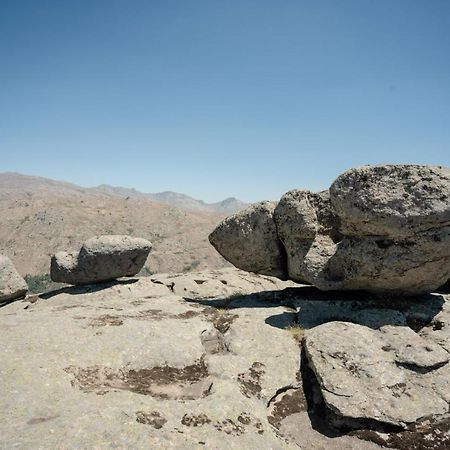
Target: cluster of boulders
[384,229]
[99,259]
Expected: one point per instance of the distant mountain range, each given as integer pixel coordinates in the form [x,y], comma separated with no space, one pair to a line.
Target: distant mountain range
[175,199]
[18,182]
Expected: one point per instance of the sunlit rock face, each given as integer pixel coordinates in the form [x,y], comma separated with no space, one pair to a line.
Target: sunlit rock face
[100,259]
[12,285]
[383,229]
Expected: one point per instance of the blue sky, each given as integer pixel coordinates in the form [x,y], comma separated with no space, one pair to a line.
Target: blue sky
[245,98]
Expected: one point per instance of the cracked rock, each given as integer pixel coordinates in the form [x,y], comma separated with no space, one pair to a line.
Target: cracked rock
[389,376]
[213,341]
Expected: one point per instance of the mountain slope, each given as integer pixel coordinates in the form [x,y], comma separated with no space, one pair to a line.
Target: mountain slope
[39,217]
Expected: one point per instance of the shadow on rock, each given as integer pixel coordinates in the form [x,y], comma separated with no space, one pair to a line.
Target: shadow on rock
[12,300]
[312,307]
[86,289]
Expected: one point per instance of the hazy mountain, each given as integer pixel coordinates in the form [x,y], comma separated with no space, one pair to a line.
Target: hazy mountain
[175,199]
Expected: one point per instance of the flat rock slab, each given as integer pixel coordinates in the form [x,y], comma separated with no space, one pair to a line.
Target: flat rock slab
[391,375]
[197,360]
[100,259]
[125,365]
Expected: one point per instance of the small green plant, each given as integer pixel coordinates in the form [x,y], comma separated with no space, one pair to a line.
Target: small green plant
[296,331]
[41,283]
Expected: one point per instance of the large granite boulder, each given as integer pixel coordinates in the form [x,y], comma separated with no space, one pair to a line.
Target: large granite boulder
[384,229]
[249,240]
[12,285]
[100,259]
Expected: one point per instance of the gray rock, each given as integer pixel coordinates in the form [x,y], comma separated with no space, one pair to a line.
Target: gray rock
[12,285]
[101,259]
[392,200]
[416,266]
[127,367]
[384,229]
[299,216]
[202,360]
[249,240]
[391,376]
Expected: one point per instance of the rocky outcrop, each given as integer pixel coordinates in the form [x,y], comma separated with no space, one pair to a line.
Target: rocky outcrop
[131,364]
[100,259]
[12,285]
[224,359]
[384,229]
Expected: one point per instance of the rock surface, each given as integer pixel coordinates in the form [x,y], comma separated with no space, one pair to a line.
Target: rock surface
[384,229]
[201,360]
[12,285]
[390,375]
[101,259]
[392,200]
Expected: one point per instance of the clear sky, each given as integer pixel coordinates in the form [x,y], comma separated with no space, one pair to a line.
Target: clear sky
[215,98]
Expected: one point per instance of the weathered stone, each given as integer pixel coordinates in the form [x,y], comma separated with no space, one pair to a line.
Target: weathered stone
[101,259]
[384,229]
[145,380]
[411,267]
[392,200]
[12,285]
[207,359]
[249,240]
[391,376]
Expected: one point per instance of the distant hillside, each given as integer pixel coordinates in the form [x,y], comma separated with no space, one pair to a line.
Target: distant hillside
[39,217]
[15,182]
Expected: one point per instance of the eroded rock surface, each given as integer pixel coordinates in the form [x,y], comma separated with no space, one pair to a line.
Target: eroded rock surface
[12,285]
[384,229]
[206,360]
[101,259]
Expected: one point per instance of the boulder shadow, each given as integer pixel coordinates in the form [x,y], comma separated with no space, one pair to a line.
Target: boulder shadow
[86,288]
[12,300]
[310,307]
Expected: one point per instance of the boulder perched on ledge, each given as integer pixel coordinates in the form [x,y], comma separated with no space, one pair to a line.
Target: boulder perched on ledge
[12,285]
[100,259]
[384,229]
